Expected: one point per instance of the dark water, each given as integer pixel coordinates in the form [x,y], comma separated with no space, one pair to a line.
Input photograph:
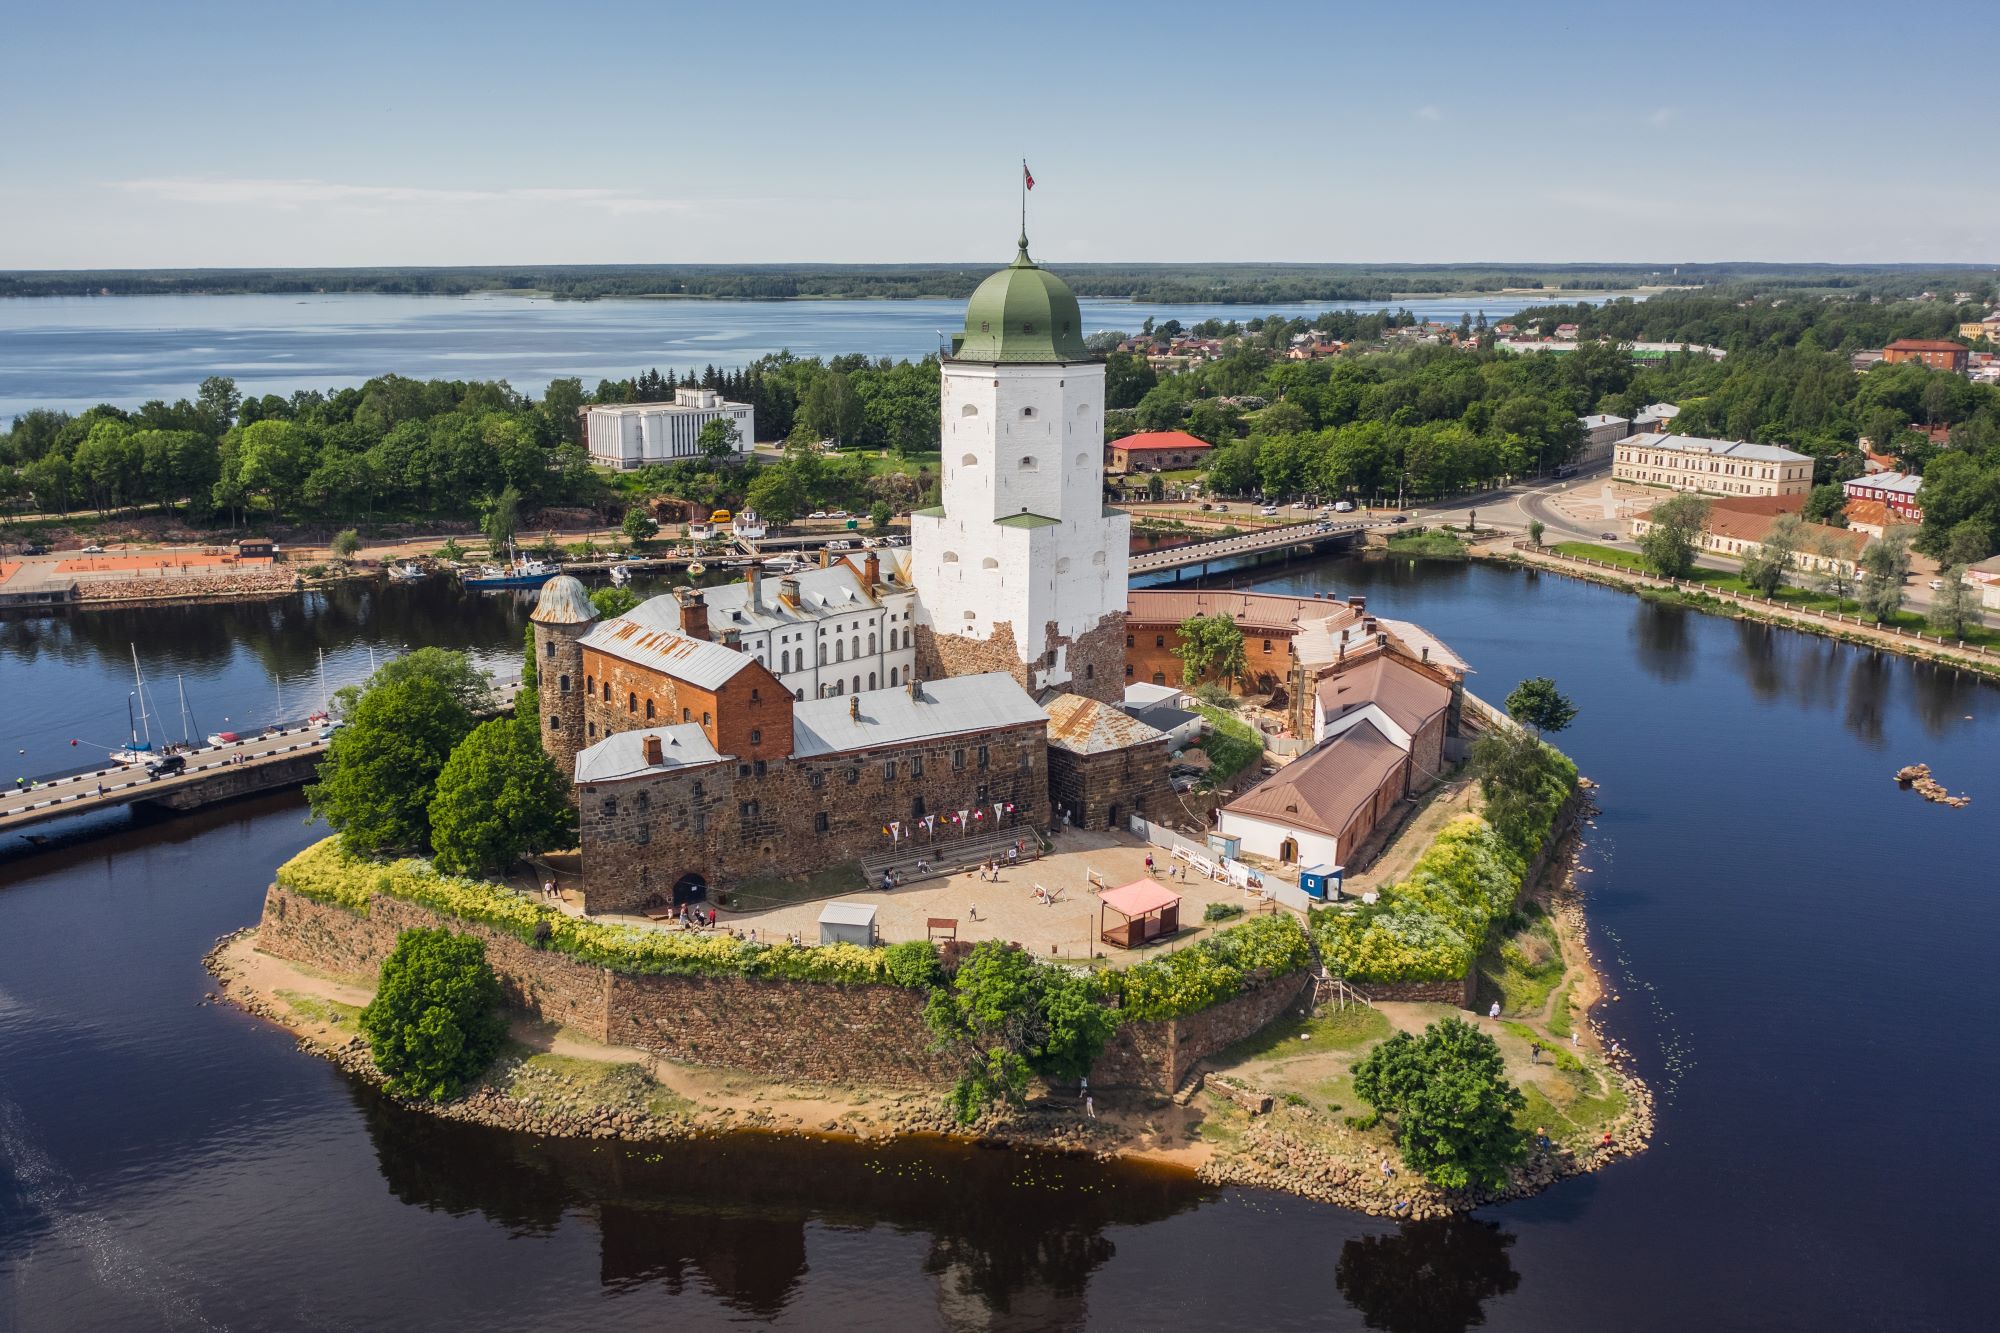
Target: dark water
[73,352]
[1802,952]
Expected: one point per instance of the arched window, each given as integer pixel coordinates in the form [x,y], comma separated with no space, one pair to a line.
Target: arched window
[857,647]
[562,686]
[969,460]
[649,710]
[756,736]
[1027,413]
[555,723]
[871,643]
[971,615]
[1090,671]
[968,411]
[1083,460]
[892,678]
[589,685]
[1062,565]
[1097,558]
[551,651]
[951,557]
[631,703]
[1083,409]
[785,660]
[607,691]
[839,650]
[989,563]
[1028,463]
[822,654]
[1159,677]
[857,684]
[871,680]
[799,695]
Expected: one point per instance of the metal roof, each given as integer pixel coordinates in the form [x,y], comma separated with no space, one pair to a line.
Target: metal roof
[563,602]
[1322,792]
[1086,726]
[1022,314]
[1409,697]
[1416,638]
[1695,444]
[832,591]
[641,638]
[847,914]
[623,753]
[1026,521]
[948,707]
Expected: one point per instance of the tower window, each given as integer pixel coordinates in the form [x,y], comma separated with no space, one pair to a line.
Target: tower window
[563,687]
[970,460]
[1028,463]
[1027,413]
[555,723]
[968,411]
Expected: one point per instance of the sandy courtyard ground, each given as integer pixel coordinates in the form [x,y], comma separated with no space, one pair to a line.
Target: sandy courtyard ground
[1008,910]
[1607,505]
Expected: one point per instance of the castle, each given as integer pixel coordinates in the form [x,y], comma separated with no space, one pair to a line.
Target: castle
[779,726]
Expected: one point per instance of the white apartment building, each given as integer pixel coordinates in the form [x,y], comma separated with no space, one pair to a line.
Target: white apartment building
[632,435]
[824,632]
[1712,467]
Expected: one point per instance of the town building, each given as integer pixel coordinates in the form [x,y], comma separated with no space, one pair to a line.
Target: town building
[1896,491]
[1737,527]
[633,435]
[1937,353]
[1319,809]
[1022,566]
[1155,451]
[1601,430]
[1712,467]
[1985,576]
[1654,418]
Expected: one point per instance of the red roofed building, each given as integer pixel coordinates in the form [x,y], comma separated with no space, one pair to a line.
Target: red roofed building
[1155,451]
[1936,353]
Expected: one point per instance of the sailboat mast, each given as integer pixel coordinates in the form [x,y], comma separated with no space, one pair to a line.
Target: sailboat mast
[187,718]
[139,688]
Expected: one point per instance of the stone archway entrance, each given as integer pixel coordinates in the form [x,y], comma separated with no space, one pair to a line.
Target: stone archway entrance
[690,888]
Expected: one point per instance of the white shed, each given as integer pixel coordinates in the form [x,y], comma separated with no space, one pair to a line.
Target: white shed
[847,923]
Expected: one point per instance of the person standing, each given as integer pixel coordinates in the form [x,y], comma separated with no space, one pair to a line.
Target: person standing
[1494,1012]
[1090,1108]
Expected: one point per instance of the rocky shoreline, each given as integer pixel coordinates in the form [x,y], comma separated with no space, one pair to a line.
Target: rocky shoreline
[1272,1153]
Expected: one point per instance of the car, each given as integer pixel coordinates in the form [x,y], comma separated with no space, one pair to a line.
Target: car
[1400,518]
[840,546]
[1607,536]
[166,766]
[1269,511]
[1302,505]
[328,728]
[1344,507]
[1937,585]
[838,513]
[819,513]
[32,548]
[93,549]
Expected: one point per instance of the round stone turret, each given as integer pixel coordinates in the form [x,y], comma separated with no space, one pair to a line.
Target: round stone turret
[1022,315]
[562,616]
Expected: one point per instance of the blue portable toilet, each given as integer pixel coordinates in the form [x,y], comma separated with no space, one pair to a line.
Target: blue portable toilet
[1321,882]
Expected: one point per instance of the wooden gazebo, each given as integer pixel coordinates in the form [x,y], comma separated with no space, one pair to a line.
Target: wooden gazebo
[1147,910]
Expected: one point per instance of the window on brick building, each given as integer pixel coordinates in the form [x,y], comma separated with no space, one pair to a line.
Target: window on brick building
[743,770]
[590,728]
[754,696]
[607,691]
[698,791]
[555,723]
[562,686]
[705,719]
[686,716]
[645,803]
[1267,645]
[649,710]
[756,736]
[1159,640]
[644,834]
[1027,760]
[984,756]
[853,776]
[815,780]
[590,684]
[1128,641]
[700,821]
[888,770]
[631,703]
[916,765]
[1159,677]
[958,760]
[757,767]
[981,797]
[1090,671]
[747,809]
[819,822]
[610,805]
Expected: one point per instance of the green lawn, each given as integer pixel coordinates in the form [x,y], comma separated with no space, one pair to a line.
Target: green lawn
[1801,599]
[1232,744]
[1434,543]
[1341,1029]
[342,1017]
[1525,967]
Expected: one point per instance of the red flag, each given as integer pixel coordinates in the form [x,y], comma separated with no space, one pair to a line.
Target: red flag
[1027,177]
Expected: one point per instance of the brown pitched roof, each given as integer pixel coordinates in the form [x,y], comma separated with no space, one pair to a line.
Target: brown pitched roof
[1409,697]
[1086,726]
[1322,792]
[1759,504]
[1733,523]
[1248,609]
[1872,513]
[1924,345]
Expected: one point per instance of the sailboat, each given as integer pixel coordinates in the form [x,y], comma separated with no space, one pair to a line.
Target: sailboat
[136,751]
[320,718]
[188,728]
[519,572]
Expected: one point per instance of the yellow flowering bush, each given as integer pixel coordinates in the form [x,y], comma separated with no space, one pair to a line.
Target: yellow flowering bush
[1191,979]
[325,873]
[1429,926]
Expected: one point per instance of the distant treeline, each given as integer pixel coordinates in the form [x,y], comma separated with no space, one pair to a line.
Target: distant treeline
[1248,284]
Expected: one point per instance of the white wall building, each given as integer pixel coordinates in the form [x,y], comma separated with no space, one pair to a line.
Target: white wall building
[631,435]
[1713,467]
[824,632]
[1022,554]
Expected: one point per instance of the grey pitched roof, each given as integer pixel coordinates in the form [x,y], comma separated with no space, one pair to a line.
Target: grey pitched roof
[822,592]
[891,717]
[1161,717]
[623,753]
[647,636]
[1739,449]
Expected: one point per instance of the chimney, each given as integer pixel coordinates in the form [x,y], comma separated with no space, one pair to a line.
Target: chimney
[788,591]
[732,638]
[1368,625]
[825,557]
[1356,602]
[653,756]
[756,586]
[694,612]
[916,686]
[854,706]
[1426,654]
[871,570]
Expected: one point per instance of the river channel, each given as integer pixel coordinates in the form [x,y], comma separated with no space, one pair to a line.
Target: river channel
[1802,954]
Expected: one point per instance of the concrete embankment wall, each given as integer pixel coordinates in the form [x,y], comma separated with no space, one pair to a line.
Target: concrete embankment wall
[234,780]
[813,1031]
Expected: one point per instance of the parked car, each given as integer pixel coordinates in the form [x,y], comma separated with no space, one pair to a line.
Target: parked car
[840,546]
[1269,511]
[33,548]
[1607,536]
[818,513]
[93,549]
[166,766]
[1937,585]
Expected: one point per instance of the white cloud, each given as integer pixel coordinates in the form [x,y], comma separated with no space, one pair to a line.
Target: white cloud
[1661,115]
[1430,112]
[289,194]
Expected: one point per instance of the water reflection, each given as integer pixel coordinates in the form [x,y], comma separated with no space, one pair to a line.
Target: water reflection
[1662,642]
[1429,1277]
[1013,1237]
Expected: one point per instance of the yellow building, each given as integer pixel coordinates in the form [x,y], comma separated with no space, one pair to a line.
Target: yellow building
[1712,467]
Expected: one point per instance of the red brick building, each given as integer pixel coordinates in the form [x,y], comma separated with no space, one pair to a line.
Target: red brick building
[1155,451]
[1937,353]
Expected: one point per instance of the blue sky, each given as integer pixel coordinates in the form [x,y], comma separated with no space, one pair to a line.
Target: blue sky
[272,134]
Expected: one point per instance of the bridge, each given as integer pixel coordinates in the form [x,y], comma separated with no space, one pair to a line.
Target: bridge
[284,756]
[1293,538]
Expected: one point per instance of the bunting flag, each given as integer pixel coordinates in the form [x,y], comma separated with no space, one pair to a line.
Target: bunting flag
[961,817]
[896,829]
[930,823]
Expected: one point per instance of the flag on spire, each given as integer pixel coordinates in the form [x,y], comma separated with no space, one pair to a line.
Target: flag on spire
[1027,177]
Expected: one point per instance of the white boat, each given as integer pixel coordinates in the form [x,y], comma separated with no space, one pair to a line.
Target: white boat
[697,568]
[621,575]
[781,564]
[408,572]
[136,751]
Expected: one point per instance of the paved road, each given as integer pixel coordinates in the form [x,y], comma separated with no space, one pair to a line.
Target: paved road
[119,784]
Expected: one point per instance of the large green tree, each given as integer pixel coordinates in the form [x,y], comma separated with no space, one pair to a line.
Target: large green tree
[380,772]
[435,1023]
[499,797]
[1767,566]
[1210,647]
[1449,1098]
[1006,1017]
[1955,606]
[1674,535]
[1537,703]
[1886,562]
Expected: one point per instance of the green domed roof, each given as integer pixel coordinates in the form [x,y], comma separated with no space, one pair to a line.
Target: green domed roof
[1023,313]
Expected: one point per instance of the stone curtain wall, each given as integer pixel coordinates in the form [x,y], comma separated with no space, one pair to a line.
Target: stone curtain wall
[812,1031]
[640,836]
[1088,786]
[1095,659]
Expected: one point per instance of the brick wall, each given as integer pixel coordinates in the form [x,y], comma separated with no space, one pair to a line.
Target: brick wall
[1150,652]
[1089,786]
[558,656]
[940,655]
[1158,1056]
[1095,659]
[642,835]
[749,716]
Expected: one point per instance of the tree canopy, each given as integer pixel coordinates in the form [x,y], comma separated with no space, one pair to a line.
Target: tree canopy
[434,1024]
[1450,1100]
[1006,1017]
[1210,647]
[380,772]
[1674,537]
[1537,703]
[498,798]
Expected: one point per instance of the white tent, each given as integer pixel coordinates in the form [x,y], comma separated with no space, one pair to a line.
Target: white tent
[847,923]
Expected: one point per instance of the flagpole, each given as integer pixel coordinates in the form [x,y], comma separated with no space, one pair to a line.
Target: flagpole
[1024,201]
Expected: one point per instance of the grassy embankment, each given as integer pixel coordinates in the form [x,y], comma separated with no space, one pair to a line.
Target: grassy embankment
[1798,599]
[1232,745]
[1434,543]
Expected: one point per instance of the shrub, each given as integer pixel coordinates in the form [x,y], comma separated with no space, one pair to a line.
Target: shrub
[434,1023]
[1221,911]
[1191,979]
[913,964]
[1453,1107]
[1429,926]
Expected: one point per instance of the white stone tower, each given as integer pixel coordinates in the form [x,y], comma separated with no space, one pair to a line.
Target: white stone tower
[1022,568]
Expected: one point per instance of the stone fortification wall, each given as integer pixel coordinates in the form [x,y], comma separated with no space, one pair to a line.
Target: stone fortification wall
[812,1031]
